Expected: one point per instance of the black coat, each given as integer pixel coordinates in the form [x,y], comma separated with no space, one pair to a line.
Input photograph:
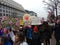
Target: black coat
[45,32]
[57,31]
[36,39]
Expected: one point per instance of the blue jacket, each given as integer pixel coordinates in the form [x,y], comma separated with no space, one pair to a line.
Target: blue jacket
[8,43]
[29,33]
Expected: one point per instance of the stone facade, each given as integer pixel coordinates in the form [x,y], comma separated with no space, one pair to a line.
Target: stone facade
[11,8]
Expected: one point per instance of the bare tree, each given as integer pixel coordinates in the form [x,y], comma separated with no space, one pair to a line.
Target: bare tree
[52,8]
[52,5]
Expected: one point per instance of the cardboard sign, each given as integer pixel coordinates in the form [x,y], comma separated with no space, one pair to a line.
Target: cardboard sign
[27,23]
[35,21]
[21,22]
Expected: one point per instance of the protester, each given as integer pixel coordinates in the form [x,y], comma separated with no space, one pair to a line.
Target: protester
[36,39]
[7,37]
[24,30]
[45,32]
[20,29]
[1,41]
[11,35]
[5,32]
[20,39]
[16,34]
[29,32]
[1,30]
[57,32]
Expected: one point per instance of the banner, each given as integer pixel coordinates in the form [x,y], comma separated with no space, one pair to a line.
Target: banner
[35,21]
[21,22]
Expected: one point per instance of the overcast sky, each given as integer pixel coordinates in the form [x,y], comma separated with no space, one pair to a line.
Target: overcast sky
[34,5]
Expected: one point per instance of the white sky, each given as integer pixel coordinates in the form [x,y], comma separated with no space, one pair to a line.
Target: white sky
[34,5]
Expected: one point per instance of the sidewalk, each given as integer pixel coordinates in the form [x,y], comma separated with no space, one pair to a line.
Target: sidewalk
[53,41]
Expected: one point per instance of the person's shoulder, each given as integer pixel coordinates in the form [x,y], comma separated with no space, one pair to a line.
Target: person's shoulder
[24,43]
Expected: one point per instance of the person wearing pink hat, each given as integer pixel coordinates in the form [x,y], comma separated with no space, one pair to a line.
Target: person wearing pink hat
[5,31]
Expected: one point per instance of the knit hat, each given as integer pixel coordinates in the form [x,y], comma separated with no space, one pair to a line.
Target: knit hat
[30,26]
[36,29]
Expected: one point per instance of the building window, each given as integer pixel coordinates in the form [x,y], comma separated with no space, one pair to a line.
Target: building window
[3,10]
[4,7]
[6,14]
[0,6]
[8,11]
[0,10]
[0,14]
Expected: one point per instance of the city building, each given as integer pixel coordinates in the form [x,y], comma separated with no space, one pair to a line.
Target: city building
[31,13]
[11,8]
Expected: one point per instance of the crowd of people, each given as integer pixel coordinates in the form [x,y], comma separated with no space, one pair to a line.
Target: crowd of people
[30,35]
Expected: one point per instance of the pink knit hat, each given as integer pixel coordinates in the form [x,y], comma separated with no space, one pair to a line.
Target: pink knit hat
[30,26]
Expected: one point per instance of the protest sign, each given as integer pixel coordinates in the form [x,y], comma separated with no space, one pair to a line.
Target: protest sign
[26,23]
[21,22]
[26,17]
[35,21]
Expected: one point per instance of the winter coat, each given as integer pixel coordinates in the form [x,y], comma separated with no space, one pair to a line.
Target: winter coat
[29,32]
[8,43]
[36,39]
[57,31]
[47,34]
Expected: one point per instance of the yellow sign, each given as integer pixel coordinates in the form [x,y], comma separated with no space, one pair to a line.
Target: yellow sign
[21,22]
